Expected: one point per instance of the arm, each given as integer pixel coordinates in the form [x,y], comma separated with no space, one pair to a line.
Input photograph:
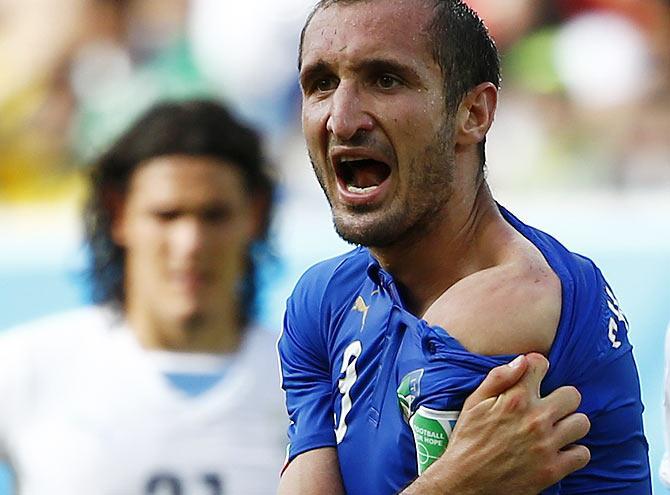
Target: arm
[532,437]
[312,464]
[313,472]
[619,460]
[525,458]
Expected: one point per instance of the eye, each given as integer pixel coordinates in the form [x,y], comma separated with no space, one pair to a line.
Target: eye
[387,81]
[325,84]
[166,215]
[218,214]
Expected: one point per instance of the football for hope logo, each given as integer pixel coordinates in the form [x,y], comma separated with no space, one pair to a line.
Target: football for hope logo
[431,428]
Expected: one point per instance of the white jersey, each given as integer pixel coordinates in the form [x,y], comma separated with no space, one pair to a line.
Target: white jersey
[84,410]
[664,470]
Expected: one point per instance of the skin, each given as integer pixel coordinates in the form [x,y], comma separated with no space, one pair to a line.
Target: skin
[185,224]
[432,209]
[372,91]
[363,97]
[534,454]
[529,453]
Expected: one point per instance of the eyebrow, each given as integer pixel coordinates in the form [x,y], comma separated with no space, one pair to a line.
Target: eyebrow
[367,66]
[381,65]
[311,71]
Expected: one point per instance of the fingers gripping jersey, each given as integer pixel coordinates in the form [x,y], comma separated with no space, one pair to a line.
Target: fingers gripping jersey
[364,375]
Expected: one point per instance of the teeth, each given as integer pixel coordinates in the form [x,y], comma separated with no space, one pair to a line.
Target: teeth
[348,159]
[360,190]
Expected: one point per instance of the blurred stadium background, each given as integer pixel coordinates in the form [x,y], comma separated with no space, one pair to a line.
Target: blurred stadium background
[581,146]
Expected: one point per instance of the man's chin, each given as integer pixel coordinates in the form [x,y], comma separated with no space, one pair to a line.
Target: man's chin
[193,321]
[188,315]
[370,233]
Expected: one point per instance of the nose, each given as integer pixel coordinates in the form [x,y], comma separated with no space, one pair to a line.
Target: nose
[347,115]
[188,238]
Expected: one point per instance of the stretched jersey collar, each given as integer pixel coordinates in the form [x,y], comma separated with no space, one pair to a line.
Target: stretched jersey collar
[374,269]
[383,279]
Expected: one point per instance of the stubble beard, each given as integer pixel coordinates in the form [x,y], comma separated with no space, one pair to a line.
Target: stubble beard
[405,219]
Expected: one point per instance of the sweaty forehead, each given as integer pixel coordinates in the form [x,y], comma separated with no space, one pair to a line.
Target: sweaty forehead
[370,25]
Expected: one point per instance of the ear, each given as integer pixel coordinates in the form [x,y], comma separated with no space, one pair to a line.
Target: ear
[259,206]
[475,114]
[114,203]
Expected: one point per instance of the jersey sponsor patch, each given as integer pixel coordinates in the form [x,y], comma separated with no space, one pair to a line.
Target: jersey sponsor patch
[431,430]
[408,390]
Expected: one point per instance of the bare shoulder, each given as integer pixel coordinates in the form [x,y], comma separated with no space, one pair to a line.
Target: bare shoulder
[511,308]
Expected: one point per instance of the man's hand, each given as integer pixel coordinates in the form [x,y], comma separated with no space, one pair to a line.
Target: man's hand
[508,439]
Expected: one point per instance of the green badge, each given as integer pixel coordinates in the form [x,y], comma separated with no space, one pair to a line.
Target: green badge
[431,431]
[408,390]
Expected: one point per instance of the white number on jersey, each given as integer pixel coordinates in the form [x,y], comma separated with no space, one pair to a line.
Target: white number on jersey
[617,316]
[349,359]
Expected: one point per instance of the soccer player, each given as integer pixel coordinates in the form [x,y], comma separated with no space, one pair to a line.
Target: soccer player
[166,386]
[391,338]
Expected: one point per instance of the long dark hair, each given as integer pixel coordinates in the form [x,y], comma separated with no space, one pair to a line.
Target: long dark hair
[193,128]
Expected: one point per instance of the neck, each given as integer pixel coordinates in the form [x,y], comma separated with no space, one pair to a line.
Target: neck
[196,333]
[463,239]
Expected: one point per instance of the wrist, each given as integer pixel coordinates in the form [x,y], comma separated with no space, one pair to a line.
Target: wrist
[442,478]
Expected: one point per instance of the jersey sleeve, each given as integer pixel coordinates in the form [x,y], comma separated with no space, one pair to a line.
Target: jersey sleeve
[593,330]
[451,373]
[592,352]
[305,370]
[619,450]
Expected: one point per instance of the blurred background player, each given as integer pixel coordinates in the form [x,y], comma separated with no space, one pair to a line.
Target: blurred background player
[165,385]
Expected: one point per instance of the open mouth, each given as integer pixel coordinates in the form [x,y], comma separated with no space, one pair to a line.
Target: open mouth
[361,176]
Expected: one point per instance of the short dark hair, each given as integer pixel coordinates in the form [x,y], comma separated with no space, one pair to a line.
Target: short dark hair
[462,47]
[192,128]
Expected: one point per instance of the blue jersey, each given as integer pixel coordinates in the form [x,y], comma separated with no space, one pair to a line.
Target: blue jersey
[349,347]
